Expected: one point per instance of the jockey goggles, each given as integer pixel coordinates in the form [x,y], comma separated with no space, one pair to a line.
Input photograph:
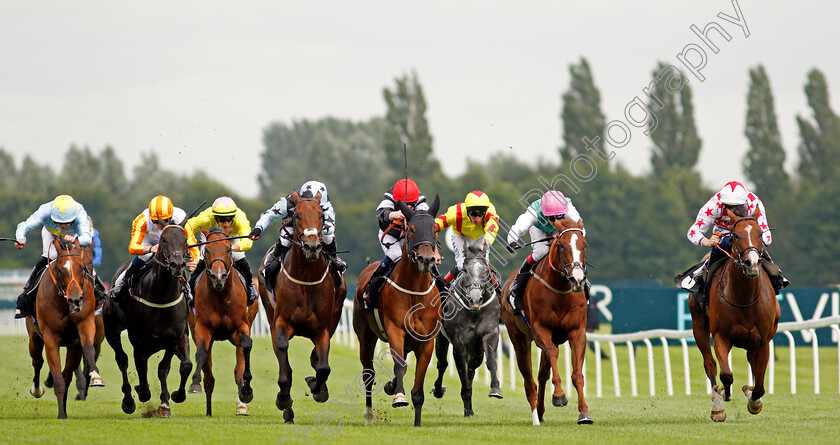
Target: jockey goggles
[224,219]
[477,212]
[555,217]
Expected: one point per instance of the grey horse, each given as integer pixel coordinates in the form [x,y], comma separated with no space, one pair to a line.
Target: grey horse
[473,329]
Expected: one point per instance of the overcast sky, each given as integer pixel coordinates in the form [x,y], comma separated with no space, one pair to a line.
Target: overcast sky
[197,82]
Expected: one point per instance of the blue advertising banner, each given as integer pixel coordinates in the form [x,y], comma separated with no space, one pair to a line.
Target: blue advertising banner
[639,306]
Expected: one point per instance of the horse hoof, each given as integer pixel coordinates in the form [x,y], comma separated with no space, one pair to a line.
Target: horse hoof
[95,379]
[241,410]
[179,396]
[80,397]
[289,422]
[143,394]
[585,419]
[468,413]
[195,388]
[128,406]
[37,392]
[495,393]
[246,394]
[399,401]
[719,416]
[164,412]
[311,382]
[322,396]
[754,406]
[560,400]
[282,404]
[439,392]
[48,382]
[389,387]
[368,415]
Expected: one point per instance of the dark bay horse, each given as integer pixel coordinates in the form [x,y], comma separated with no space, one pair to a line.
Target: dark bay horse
[222,313]
[743,312]
[555,305]
[474,329]
[156,318]
[407,314]
[309,303]
[64,310]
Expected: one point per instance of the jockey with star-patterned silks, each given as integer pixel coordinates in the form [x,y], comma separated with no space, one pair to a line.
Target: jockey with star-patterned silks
[284,208]
[62,217]
[537,221]
[734,197]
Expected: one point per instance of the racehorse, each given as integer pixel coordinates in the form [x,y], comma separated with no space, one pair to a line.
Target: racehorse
[64,310]
[407,313]
[222,312]
[743,312]
[555,306]
[474,329]
[309,302]
[156,318]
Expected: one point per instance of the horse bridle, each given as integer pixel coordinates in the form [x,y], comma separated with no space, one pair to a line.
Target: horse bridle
[226,265]
[165,262]
[486,284]
[306,232]
[412,252]
[63,292]
[738,258]
[566,269]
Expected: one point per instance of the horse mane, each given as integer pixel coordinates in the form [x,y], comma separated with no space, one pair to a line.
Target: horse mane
[64,244]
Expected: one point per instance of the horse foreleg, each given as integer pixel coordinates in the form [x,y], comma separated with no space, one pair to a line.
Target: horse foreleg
[54,362]
[543,374]
[209,380]
[320,362]
[284,379]
[758,359]
[424,356]
[459,352]
[82,380]
[542,338]
[700,328]
[182,351]
[36,351]
[121,358]
[396,341]
[246,394]
[722,348]
[577,343]
[87,335]
[522,348]
[72,360]
[367,347]
[239,378]
[203,342]
[441,352]
[141,363]
[163,373]
[491,342]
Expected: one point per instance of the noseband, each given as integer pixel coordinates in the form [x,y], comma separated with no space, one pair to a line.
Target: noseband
[164,262]
[565,269]
[738,258]
[63,292]
[309,231]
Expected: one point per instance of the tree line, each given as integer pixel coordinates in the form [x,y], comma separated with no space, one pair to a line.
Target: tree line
[636,224]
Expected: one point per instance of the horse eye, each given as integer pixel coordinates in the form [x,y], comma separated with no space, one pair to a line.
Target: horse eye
[163,241]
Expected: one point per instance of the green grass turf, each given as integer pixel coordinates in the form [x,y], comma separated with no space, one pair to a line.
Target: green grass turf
[786,418]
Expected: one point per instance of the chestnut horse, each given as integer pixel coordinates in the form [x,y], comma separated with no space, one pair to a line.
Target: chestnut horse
[156,318]
[309,302]
[222,313]
[555,306]
[743,312]
[407,313]
[64,310]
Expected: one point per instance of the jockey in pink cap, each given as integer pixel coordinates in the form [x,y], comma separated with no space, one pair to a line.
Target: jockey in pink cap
[537,221]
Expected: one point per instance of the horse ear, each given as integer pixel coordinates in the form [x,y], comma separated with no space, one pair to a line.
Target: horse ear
[732,216]
[318,197]
[756,213]
[433,209]
[295,196]
[406,210]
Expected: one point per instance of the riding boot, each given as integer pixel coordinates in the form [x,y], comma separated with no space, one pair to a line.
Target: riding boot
[336,263]
[517,288]
[587,287]
[774,271]
[120,288]
[24,301]
[98,289]
[440,283]
[200,267]
[374,285]
[243,266]
[274,264]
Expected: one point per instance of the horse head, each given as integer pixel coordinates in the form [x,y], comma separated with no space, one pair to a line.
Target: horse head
[217,256]
[569,250]
[476,283]
[172,249]
[421,234]
[69,273]
[746,242]
[308,222]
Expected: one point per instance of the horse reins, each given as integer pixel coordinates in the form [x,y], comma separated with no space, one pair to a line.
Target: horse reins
[63,292]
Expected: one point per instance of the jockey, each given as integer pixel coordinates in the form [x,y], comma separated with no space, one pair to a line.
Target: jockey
[736,198]
[233,222]
[62,217]
[284,208]
[390,237]
[481,220]
[538,221]
[145,235]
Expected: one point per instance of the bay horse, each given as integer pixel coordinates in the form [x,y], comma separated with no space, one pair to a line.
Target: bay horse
[308,302]
[555,305]
[743,312]
[407,314]
[473,330]
[64,311]
[82,372]
[156,318]
[222,313]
